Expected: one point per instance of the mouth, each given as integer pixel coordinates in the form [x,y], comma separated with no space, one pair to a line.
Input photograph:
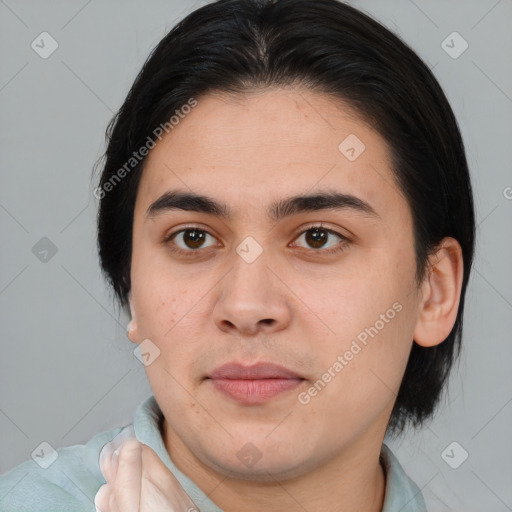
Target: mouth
[255,384]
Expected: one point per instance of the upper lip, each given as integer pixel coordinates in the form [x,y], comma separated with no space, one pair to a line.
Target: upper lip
[256,371]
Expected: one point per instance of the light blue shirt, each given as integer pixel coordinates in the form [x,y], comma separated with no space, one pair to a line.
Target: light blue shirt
[70,483]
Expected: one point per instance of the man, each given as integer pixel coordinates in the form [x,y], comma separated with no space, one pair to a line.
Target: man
[286,211]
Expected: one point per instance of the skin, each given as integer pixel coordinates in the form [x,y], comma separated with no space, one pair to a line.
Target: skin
[138,481]
[294,305]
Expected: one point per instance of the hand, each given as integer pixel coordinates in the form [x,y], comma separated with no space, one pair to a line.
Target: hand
[138,481]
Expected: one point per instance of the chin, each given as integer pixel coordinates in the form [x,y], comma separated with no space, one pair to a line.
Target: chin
[258,461]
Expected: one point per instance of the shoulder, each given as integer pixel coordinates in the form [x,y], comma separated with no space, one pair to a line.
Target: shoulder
[63,480]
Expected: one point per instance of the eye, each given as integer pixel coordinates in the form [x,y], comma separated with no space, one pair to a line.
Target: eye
[190,239]
[318,237]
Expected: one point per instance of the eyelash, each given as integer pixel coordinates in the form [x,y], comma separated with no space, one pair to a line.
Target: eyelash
[192,252]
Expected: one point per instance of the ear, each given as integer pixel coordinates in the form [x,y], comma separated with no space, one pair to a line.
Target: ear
[131,328]
[440,294]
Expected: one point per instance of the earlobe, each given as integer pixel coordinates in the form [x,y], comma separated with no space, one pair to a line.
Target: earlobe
[441,294]
[131,328]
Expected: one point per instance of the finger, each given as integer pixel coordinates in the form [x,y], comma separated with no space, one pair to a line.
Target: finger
[106,466]
[113,503]
[164,491]
[127,483]
[102,499]
[108,450]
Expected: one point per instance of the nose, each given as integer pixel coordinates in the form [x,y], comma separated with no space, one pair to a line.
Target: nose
[253,299]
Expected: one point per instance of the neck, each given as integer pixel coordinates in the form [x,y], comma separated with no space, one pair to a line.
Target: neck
[351,481]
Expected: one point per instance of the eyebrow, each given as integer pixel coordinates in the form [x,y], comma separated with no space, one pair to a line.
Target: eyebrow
[329,200]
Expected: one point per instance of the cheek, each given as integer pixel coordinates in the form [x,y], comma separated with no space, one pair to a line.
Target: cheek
[363,358]
[359,382]
[164,296]
[159,306]
[352,298]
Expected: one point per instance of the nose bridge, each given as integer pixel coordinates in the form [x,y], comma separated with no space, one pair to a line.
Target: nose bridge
[250,274]
[250,296]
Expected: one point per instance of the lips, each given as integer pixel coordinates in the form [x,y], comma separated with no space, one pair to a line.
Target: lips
[254,372]
[255,384]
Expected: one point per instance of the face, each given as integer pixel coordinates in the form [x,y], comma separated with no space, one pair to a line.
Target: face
[326,293]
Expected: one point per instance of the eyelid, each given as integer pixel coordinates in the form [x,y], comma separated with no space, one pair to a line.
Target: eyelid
[186,227]
[321,225]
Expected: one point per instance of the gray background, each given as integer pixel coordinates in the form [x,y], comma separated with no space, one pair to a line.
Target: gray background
[67,372]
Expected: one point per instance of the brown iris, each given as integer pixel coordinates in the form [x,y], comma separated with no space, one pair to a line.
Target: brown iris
[193,238]
[316,237]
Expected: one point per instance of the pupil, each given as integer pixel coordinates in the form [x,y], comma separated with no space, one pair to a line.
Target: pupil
[316,237]
[194,238]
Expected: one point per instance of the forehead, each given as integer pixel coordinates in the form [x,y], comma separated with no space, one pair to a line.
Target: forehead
[251,150]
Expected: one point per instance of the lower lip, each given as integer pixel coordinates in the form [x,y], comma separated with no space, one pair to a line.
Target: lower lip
[254,391]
